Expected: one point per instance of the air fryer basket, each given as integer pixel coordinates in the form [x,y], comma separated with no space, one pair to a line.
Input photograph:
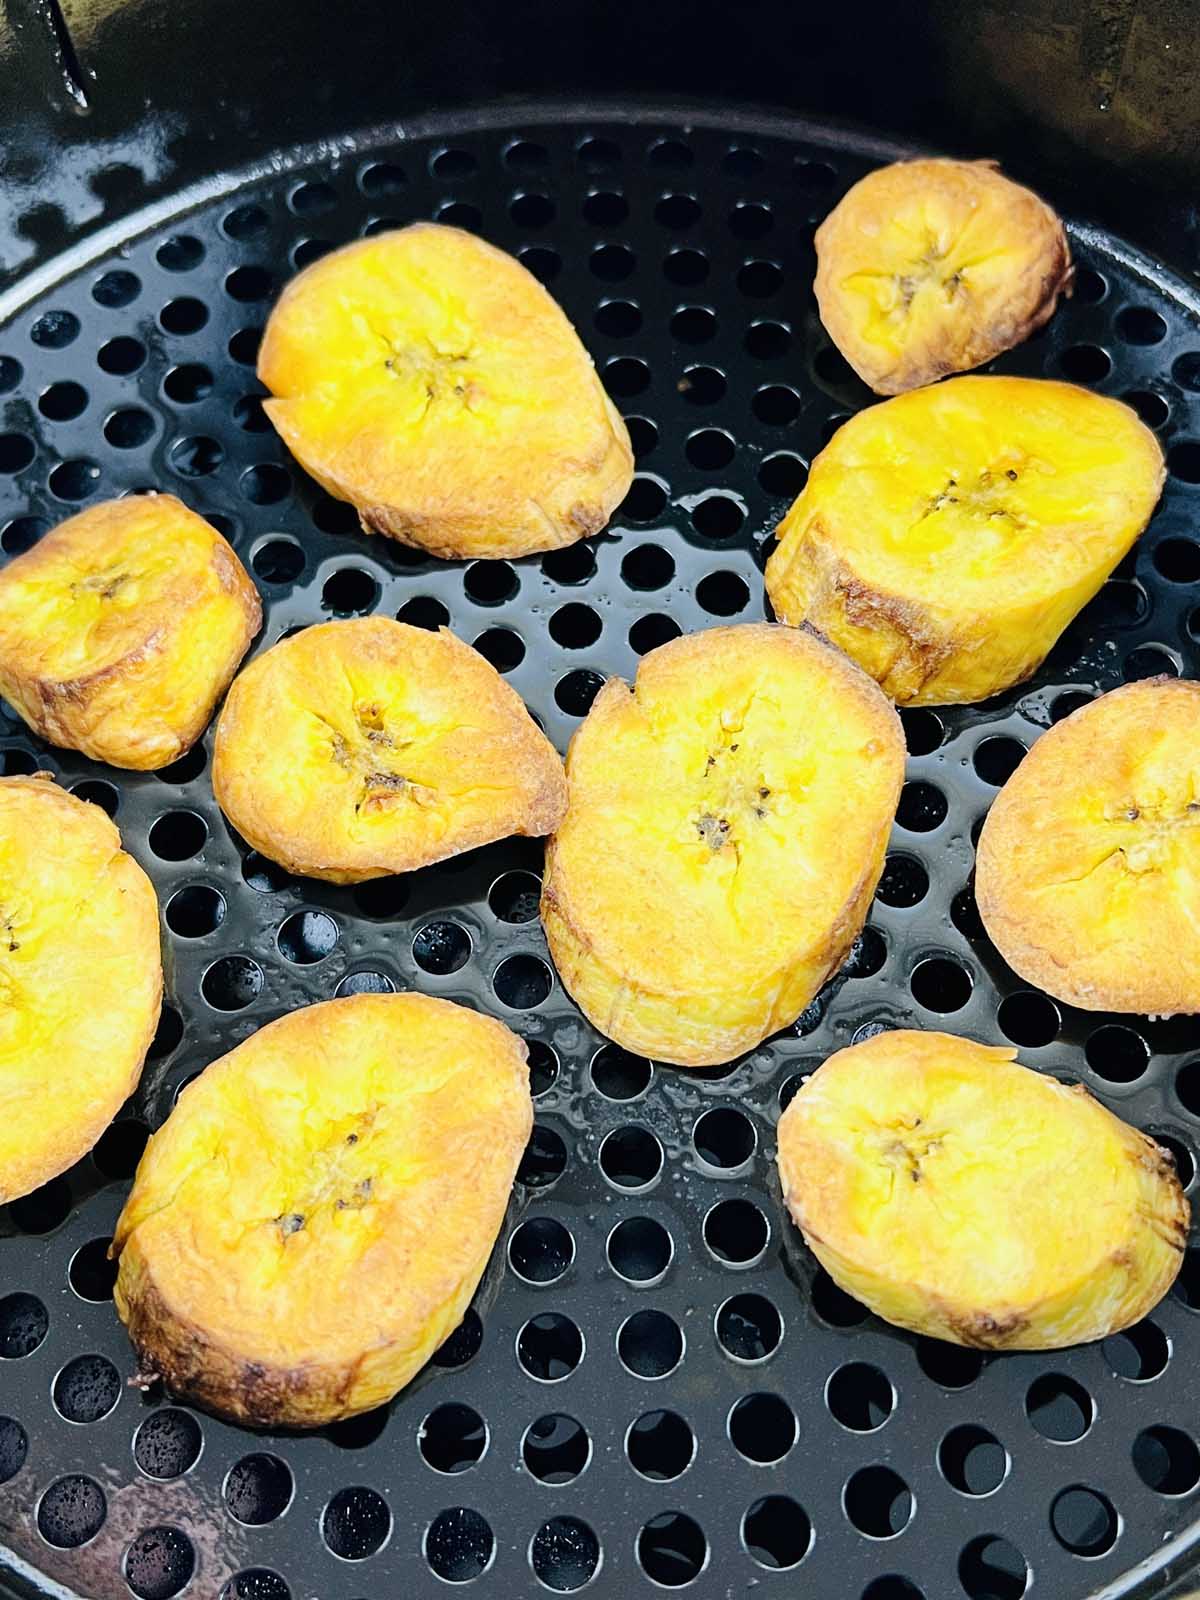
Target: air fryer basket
[655,1385]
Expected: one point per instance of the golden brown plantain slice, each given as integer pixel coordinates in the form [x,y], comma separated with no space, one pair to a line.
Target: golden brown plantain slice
[958,1194]
[1088,878]
[935,266]
[726,827]
[946,538]
[120,630]
[312,1220]
[356,749]
[80,979]
[429,379]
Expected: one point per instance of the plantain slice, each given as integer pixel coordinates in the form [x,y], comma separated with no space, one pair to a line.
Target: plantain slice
[725,830]
[80,979]
[360,748]
[935,266]
[120,630]
[946,538]
[312,1220]
[1088,875]
[430,380]
[958,1194]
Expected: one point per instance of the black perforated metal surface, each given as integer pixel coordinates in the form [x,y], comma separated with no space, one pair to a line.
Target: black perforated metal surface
[654,1385]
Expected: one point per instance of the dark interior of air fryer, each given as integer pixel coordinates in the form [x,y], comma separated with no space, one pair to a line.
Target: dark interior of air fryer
[655,1387]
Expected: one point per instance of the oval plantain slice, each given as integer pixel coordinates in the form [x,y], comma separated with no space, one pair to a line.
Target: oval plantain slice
[946,538]
[361,748]
[311,1221]
[959,1194]
[80,979]
[121,628]
[725,830]
[1088,877]
[935,266]
[429,379]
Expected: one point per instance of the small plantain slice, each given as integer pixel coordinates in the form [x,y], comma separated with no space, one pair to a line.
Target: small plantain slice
[80,979]
[935,266]
[361,748]
[946,538]
[725,831]
[959,1194]
[1088,877]
[430,380]
[311,1221]
[120,630]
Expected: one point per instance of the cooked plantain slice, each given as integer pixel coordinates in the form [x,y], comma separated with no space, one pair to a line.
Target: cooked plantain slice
[80,979]
[1088,877]
[356,749]
[946,538]
[429,379]
[726,827]
[120,630]
[312,1220]
[957,1193]
[935,266]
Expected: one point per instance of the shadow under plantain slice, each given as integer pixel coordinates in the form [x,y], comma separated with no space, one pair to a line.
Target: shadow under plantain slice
[946,538]
[357,749]
[935,266]
[1088,878]
[429,379]
[121,628]
[312,1220]
[726,828]
[959,1194]
[80,979]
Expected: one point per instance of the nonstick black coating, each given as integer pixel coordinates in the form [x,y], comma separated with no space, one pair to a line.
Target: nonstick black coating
[655,1386]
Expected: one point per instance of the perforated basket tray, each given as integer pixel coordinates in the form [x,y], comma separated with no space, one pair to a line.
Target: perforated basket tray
[655,1386]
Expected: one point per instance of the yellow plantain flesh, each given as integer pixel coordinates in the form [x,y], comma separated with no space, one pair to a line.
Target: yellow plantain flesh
[946,538]
[121,628]
[429,379]
[80,979]
[311,1221]
[1088,877]
[725,830]
[361,748]
[935,266]
[958,1194]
